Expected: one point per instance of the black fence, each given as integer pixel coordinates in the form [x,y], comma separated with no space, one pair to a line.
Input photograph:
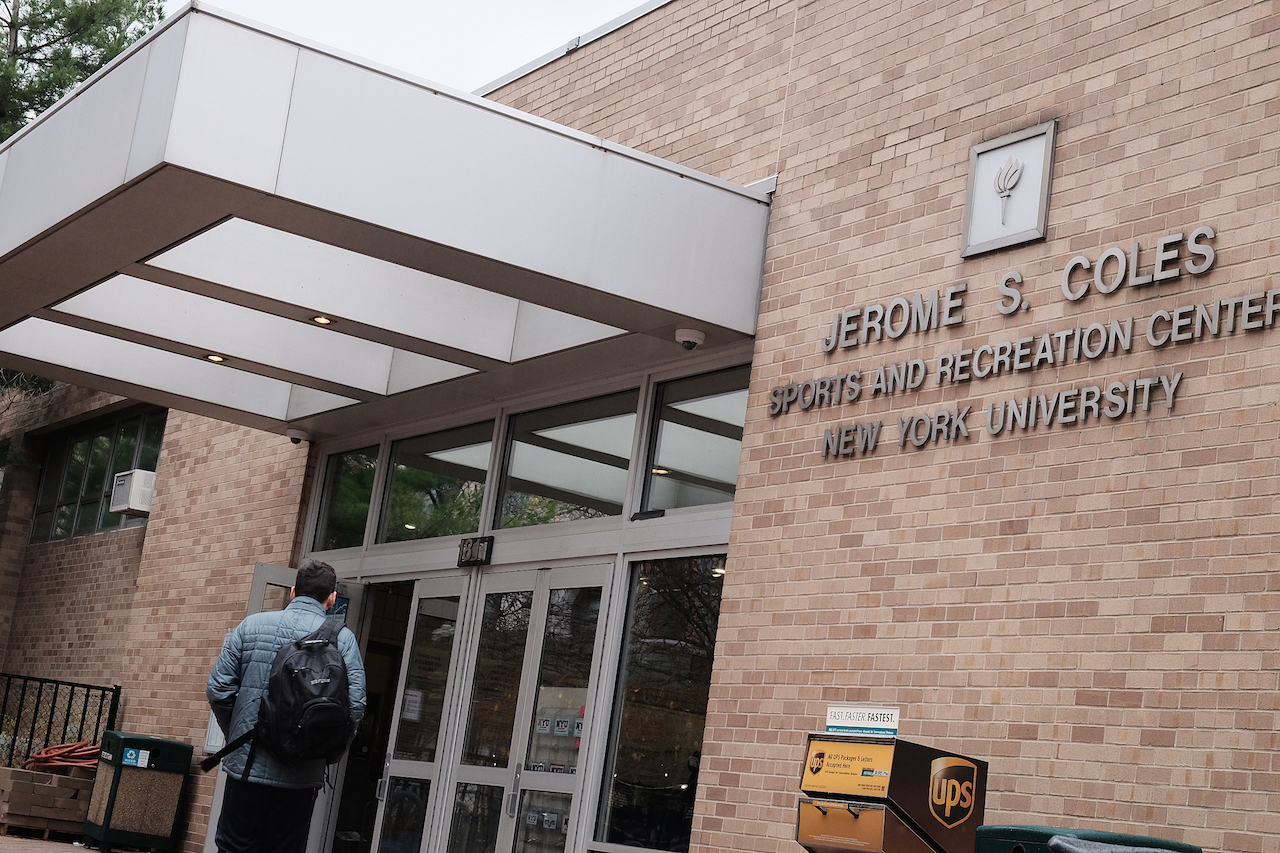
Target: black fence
[40,712]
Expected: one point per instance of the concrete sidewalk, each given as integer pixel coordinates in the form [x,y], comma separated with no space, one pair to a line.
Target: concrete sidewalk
[21,844]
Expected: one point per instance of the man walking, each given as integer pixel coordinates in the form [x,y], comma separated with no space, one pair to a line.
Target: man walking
[268,808]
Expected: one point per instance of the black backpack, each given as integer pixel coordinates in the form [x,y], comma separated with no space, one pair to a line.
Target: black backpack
[305,715]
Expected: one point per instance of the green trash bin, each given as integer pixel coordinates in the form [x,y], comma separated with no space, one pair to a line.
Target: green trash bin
[1035,839]
[137,791]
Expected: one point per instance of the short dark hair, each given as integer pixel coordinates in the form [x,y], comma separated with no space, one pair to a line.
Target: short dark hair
[315,580]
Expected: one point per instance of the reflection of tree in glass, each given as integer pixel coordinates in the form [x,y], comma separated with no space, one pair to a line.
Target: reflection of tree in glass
[424,504]
[476,812]
[570,637]
[350,488]
[564,672]
[426,677]
[666,680]
[524,510]
[500,660]
[406,815]
[569,641]
[676,611]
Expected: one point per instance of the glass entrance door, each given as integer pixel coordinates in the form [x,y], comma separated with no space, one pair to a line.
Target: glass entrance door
[495,714]
[412,772]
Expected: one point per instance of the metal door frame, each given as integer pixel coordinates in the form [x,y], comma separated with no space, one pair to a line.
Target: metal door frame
[476,585]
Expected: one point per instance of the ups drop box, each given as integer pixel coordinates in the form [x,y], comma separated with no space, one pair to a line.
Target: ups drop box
[836,827]
[937,797]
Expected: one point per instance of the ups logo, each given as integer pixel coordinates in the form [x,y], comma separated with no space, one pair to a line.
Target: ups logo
[951,790]
[816,761]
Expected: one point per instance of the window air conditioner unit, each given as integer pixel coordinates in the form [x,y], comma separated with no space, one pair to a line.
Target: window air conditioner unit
[131,492]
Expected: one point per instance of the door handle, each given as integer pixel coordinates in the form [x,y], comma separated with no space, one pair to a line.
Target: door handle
[513,799]
[380,793]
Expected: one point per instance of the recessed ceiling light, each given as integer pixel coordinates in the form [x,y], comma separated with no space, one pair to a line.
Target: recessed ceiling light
[411,527]
[216,359]
[661,471]
[322,320]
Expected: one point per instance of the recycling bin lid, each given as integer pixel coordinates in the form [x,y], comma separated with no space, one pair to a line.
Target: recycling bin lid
[1042,834]
[145,752]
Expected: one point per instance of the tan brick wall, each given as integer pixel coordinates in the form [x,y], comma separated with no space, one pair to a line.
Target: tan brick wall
[73,606]
[701,84]
[1095,609]
[226,498]
[19,416]
[147,607]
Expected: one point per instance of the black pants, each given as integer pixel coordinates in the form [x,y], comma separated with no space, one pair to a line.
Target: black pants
[263,818]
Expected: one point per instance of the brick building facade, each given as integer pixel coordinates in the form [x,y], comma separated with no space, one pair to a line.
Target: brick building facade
[1090,605]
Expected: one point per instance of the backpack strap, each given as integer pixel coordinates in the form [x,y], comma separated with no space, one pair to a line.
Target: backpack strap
[236,743]
[212,761]
[253,745]
[328,631]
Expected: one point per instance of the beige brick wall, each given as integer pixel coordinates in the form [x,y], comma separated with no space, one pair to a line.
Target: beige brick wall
[226,498]
[701,84]
[147,607]
[28,594]
[1094,609]
[73,607]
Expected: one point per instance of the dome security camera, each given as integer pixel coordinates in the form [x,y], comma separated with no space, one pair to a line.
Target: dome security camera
[689,338]
[297,436]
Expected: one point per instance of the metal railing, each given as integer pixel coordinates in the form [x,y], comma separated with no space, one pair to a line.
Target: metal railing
[40,712]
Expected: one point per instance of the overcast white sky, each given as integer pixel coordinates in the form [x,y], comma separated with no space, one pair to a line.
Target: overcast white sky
[459,43]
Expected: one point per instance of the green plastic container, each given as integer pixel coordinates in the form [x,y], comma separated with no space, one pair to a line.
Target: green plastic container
[1035,839]
[138,791]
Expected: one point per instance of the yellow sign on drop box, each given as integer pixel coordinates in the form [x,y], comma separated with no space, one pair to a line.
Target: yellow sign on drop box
[847,767]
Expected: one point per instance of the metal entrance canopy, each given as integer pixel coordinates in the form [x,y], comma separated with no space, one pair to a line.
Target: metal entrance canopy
[229,221]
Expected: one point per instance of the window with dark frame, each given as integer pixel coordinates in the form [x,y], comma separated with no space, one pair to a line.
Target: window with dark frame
[347,493]
[696,440]
[654,753]
[80,465]
[562,463]
[435,484]
[568,463]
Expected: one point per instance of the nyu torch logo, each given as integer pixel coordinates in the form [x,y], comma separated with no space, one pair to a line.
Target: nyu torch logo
[1006,180]
[951,790]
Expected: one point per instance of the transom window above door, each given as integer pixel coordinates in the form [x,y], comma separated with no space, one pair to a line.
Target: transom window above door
[435,484]
[568,462]
[624,454]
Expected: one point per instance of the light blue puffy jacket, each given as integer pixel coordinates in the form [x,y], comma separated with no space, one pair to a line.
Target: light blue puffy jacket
[239,680]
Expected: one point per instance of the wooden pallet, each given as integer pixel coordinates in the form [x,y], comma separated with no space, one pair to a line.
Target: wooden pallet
[60,832]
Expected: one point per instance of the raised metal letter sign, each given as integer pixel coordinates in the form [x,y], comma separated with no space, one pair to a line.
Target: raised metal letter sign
[477,551]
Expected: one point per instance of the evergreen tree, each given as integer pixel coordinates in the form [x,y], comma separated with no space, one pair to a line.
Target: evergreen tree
[50,46]
[53,45]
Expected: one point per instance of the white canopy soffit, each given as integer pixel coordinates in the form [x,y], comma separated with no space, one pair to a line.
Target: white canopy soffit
[181,228]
